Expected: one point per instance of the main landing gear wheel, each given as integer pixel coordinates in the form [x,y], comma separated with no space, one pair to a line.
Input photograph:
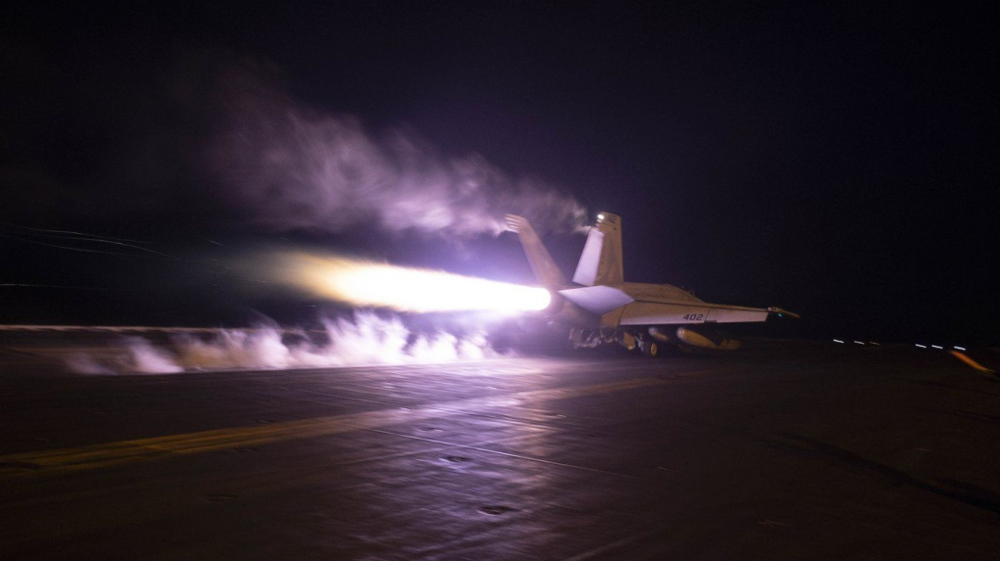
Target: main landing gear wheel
[651,349]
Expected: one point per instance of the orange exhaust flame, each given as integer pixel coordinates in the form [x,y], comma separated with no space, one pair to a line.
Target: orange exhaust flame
[363,283]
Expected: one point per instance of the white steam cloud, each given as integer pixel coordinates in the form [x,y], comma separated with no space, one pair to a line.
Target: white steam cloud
[284,166]
[366,339]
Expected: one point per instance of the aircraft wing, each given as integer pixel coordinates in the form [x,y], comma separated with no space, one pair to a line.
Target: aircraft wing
[666,313]
[619,308]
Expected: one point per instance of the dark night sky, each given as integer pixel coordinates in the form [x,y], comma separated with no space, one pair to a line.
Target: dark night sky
[838,161]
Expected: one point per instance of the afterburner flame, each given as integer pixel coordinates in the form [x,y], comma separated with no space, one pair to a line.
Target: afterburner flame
[406,289]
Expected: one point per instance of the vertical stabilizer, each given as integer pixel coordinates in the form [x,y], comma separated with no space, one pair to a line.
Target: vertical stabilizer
[546,270]
[601,260]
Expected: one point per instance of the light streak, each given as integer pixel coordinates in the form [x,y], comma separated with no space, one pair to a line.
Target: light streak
[80,237]
[368,284]
[962,357]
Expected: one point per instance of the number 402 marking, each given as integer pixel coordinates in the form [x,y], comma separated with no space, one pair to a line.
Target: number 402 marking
[694,317]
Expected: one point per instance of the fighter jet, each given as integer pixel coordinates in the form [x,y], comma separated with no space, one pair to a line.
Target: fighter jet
[602,308]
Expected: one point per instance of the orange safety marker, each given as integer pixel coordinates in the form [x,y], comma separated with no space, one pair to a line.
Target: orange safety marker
[962,357]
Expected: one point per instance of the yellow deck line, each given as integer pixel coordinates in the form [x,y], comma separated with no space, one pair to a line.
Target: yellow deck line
[115,453]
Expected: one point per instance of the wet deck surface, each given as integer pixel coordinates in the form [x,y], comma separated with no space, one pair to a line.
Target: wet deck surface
[789,450]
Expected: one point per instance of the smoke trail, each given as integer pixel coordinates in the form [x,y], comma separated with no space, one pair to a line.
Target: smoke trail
[284,166]
[365,339]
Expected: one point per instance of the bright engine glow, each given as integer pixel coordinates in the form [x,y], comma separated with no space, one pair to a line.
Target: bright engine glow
[407,289]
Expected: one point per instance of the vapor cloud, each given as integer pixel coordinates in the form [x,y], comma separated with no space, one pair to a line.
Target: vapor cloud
[364,339]
[285,166]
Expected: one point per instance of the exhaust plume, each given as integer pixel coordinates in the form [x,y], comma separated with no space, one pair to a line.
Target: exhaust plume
[284,166]
[405,289]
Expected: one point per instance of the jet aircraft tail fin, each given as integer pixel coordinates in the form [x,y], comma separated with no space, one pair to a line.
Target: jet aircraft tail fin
[545,269]
[601,260]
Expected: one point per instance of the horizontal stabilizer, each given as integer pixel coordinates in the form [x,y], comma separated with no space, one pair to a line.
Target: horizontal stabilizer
[597,299]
